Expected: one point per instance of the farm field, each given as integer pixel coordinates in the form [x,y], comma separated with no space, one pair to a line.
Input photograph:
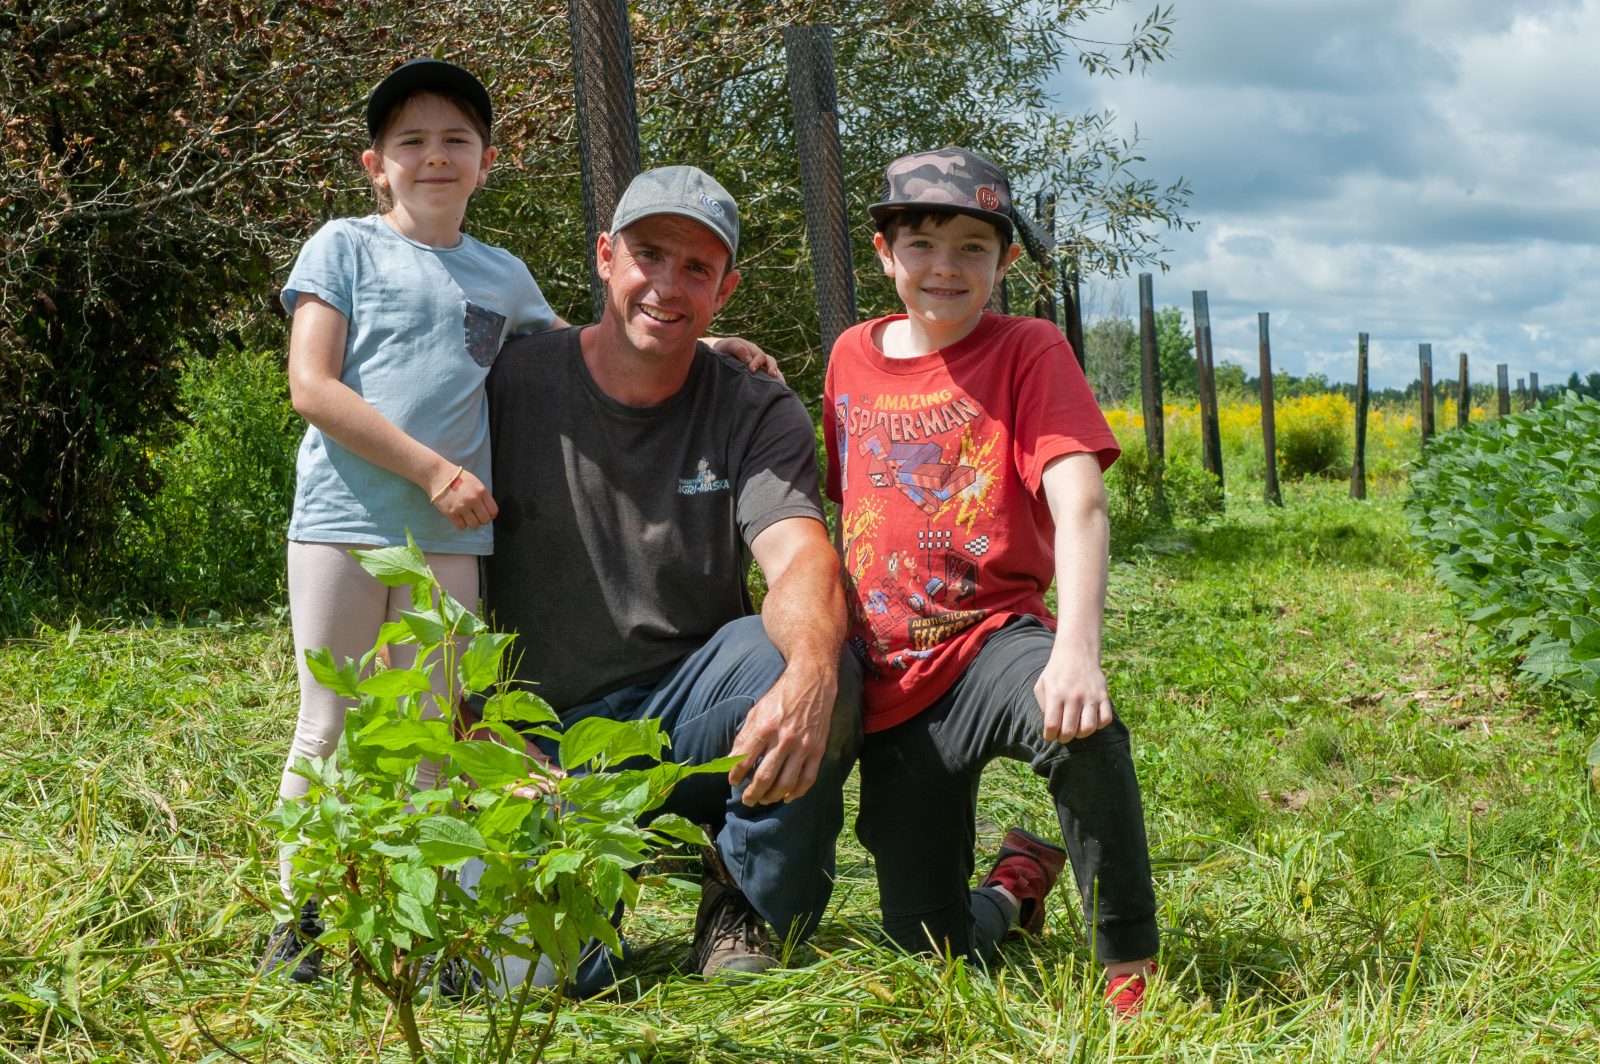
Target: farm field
[1367,847]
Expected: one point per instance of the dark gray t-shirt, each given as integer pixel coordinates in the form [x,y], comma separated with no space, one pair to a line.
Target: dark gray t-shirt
[623,537]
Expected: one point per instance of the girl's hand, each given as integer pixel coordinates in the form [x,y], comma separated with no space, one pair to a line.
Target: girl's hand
[757,360]
[463,499]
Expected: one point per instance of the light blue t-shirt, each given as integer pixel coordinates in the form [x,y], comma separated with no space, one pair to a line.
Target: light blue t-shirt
[425,326]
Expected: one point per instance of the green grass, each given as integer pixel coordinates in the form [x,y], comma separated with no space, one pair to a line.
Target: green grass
[1366,848]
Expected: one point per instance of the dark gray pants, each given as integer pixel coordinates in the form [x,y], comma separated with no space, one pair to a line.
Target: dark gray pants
[919,800]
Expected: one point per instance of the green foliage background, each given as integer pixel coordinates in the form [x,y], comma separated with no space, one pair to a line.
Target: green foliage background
[165,160]
[1510,510]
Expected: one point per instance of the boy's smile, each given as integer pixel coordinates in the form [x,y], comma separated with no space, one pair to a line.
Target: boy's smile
[944,272]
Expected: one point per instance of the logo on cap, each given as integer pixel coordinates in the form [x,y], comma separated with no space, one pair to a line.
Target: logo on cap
[711,205]
[988,199]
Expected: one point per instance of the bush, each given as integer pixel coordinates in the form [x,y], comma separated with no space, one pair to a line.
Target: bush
[211,535]
[1191,494]
[1313,436]
[1510,511]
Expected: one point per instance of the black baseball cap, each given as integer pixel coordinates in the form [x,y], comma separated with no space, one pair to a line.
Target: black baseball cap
[423,75]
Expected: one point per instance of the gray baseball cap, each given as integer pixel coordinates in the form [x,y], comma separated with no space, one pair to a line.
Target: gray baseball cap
[688,192]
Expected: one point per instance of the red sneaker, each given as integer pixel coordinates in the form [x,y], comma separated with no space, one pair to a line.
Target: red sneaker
[1125,995]
[1028,867]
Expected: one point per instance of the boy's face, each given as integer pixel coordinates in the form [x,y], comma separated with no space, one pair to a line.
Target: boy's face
[944,270]
[430,159]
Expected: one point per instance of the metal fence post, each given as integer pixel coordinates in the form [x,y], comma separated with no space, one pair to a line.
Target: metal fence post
[1358,464]
[813,96]
[1044,292]
[1269,428]
[608,123]
[1533,389]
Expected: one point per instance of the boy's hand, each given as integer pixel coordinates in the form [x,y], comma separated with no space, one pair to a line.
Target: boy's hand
[1072,694]
[755,359]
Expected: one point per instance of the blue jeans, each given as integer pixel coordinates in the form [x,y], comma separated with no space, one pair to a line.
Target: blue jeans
[780,855]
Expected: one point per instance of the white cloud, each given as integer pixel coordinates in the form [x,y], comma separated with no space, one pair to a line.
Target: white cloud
[1422,171]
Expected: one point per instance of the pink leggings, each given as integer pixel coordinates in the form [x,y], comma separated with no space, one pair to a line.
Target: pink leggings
[334,603]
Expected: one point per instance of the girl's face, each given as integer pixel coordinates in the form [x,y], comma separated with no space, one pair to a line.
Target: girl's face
[430,160]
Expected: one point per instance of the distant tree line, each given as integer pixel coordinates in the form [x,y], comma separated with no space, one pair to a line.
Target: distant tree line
[1111,351]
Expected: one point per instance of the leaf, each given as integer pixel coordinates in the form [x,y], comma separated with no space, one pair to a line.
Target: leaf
[480,664]
[398,736]
[488,763]
[504,819]
[428,627]
[459,619]
[394,683]
[396,566]
[341,681]
[679,828]
[611,742]
[519,706]
[1594,754]
[446,840]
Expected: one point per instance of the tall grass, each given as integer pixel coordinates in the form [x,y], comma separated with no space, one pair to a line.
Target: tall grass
[1367,848]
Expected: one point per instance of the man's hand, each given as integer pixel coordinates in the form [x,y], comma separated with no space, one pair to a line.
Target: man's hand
[1073,697]
[803,613]
[783,737]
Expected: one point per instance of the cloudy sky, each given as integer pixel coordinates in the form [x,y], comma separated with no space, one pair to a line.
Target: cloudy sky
[1420,170]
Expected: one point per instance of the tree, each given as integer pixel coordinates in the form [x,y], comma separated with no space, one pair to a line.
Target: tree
[164,160]
[1175,352]
[1112,359]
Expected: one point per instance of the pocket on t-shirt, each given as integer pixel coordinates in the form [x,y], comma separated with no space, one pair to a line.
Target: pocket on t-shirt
[484,328]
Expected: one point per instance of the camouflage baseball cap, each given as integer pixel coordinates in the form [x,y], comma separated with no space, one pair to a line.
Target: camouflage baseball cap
[955,179]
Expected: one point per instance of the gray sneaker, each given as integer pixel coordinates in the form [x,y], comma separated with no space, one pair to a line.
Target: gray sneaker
[730,938]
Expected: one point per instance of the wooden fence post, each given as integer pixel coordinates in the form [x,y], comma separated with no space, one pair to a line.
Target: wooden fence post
[1425,358]
[808,52]
[1503,380]
[1210,437]
[1269,428]
[1155,435]
[1358,464]
[608,122]
[1533,389]
[1463,396]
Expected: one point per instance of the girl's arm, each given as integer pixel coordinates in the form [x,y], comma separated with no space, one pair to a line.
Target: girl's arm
[316,358]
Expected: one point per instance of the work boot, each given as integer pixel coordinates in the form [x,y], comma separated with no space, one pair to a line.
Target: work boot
[730,938]
[292,949]
[1028,868]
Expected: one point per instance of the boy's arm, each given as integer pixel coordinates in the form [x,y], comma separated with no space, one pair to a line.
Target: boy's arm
[316,358]
[1072,689]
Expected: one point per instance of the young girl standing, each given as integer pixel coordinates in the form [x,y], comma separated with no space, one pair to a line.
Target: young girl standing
[397,319]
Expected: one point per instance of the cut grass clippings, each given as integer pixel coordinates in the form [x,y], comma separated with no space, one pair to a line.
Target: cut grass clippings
[1366,848]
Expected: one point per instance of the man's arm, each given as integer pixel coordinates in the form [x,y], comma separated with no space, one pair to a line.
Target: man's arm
[1072,689]
[804,616]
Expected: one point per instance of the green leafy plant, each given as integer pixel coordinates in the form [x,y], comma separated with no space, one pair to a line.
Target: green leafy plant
[1510,511]
[377,852]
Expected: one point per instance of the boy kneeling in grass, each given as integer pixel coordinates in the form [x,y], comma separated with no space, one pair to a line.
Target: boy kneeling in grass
[966,454]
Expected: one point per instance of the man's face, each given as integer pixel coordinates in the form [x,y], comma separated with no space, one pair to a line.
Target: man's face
[665,281]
